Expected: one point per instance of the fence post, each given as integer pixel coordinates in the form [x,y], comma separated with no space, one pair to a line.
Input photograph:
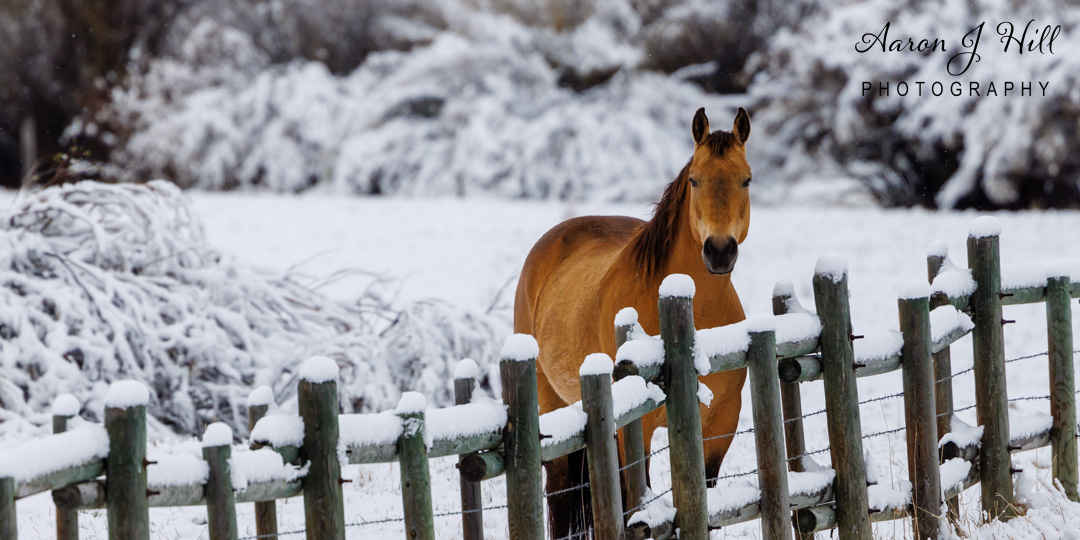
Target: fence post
[65,407]
[920,411]
[521,438]
[8,519]
[768,429]
[259,401]
[601,448]
[790,393]
[841,397]
[943,390]
[991,397]
[633,439]
[676,305]
[324,509]
[125,468]
[220,499]
[472,518]
[415,472]
[1062,384]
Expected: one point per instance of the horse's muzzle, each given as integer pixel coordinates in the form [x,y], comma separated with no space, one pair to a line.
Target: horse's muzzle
[720,255]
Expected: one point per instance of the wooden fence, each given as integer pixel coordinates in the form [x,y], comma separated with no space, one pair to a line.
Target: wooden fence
[303,455]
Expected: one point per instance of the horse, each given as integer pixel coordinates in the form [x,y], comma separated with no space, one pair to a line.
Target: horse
[584,270]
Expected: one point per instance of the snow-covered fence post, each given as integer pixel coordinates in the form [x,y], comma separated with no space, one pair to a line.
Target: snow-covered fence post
[64,409]
[324,508]
[472,518]
[220,499]
[841,397]
[775,503]
[920,411]
[936,256]
[125,468]
[521,438]
[991,397]
[601,447]
[415,472]
[259,402]
[1062,383]
[633,439]
[790,394]
[676,305]
[8,519]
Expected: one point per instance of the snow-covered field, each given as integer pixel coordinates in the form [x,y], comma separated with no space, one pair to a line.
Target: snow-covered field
[468,253]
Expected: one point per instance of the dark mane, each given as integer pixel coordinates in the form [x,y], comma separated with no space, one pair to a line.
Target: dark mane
[652,245]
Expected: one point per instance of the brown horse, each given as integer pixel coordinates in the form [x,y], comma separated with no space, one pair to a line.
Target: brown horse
[586,269]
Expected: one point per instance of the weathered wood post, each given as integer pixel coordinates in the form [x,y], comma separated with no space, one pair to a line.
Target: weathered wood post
[415,473]
[521,439]
[259,402]
[65,407]
[9,521]
[633,440]
[991,396]
[687,450]
[768,429]
[920,411]
[125,468]
[324,507]
[1062,383]
[472,517]
[220,498]
[790,394]
[601,448]
[936,256]
[841,397]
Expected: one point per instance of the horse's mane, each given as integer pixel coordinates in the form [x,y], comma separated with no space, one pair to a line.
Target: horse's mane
[652,246]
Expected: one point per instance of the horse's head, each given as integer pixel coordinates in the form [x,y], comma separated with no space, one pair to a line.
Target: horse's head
[719,180]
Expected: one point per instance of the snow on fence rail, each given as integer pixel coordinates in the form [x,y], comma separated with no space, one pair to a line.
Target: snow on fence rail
[302,455]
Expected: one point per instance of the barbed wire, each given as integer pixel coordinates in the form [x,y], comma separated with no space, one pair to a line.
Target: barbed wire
[636,461]
[656,497]
[268,535]
[735,434]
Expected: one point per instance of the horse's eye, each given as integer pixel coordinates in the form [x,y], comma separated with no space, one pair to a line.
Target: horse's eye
[747,182]
[693,182]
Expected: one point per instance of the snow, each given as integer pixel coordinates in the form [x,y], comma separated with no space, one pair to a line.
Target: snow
[953,281]
[179,469]
[802,483]
[878,345]
[984,226]
[962,434]
[914,290]
[65,405]
[885,496]
[937,248]
[1023,426]
[783,287]
[833,266]
[871,467]
[737,494]
[520,348]
[127,394]
[279,430]
[626,316]
[262,465]
[704,394]
[630,392]
[562,423]
[262,396]
[369,429]
[319,369]
[217,434]
[953,473]
[596,364]
[761,323]
[719,341]
[945,319]
[37,457]
[466,369]
[678,286]
[642,352]
[796,327]
[460,421]
[658,511]
[411,403]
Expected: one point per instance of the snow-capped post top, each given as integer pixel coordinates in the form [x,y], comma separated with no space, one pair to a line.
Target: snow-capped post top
[937,249]
[832,266]
[411,403]
[65,405]
[466,369]
[520,348]
[126,394]
[262,396]
[761,323]
[914,290]
[596,364]
[677,285]
[784,287]
[319,369]
[984,226]
[1054,269]
[217,434]
[626,316]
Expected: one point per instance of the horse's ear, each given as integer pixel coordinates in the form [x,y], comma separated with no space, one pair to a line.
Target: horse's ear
[700,127]
[742,126]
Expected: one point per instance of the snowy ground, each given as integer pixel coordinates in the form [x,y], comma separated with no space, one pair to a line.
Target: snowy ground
[467,251]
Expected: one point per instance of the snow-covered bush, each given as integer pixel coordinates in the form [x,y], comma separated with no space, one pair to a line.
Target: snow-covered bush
[938,151]
[103,282]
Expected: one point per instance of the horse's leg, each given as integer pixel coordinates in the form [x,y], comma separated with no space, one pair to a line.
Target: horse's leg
[570,508]
[721,418]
